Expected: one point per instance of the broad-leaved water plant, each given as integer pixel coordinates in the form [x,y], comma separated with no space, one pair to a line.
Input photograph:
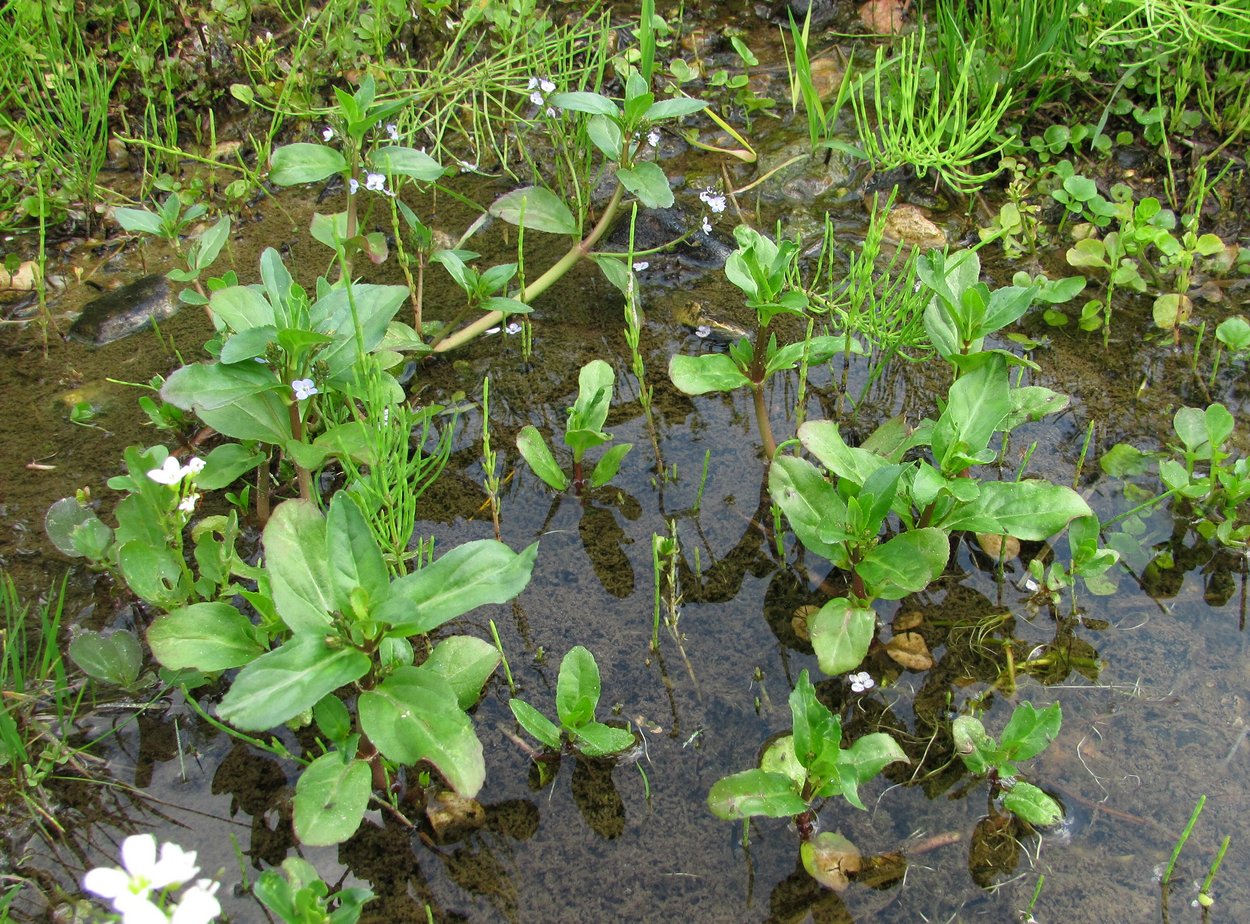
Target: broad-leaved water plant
[584,431]
[332,629]
[798,770]
[1027,733]
[577,697]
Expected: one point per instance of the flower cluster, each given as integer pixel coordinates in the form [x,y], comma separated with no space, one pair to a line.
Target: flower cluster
[540,88]
[174,474]
[374,182]
[861,682]
[140,890]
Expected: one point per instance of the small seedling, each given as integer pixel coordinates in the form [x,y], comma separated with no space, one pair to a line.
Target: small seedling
[577,696]
[584,431]
[1026,735]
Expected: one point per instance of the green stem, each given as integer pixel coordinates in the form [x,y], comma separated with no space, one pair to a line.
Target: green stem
[761,421]
[543,282]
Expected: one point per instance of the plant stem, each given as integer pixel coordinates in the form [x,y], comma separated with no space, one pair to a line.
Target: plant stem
[761,420]
[543,282]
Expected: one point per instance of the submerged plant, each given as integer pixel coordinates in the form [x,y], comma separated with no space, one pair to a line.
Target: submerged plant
[335,628]
[1026,734]
[584,431]
[800,769]
[764,270]
[577,696]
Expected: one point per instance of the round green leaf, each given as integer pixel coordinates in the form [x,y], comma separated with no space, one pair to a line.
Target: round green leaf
[754,792]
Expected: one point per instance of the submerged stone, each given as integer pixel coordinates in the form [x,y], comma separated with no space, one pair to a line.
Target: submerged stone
[125,311]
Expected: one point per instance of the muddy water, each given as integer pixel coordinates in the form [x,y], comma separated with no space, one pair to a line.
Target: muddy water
[1153,680]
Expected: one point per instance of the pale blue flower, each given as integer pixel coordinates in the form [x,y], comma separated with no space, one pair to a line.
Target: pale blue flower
[714,200]
[375,182]
[392,131]
[304,388]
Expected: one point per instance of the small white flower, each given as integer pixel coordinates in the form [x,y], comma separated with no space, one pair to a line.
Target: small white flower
[861,682]
[386,416]
[187,504]
[327,133]
[392,131]
[304,388]
[653,138]
[128,888]
[513,328]
[375,182]
[199,904]
[467,166]
[714,200]
[170,473]
[703,331]
[640,265]
[195,465]
[707,225]
[353,185]
[539,87]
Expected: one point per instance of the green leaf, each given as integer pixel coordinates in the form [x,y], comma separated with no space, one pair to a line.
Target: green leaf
[536,723]
[710,372]
[779,757]
[538,209]
[466,663]
[609,465]
[649,183]
[605,135]
[330,799]
[577,688]
[115,658]
[594,399]
[249,344]
[140,220]
[594,739]
[673,108]
[973,744]
[298,163]
[210,242]
[906,564]
[811,504]
[754,792]
[207,386]
[281,684]
[414,715]
[1030,730]
[817,731]
[205,637]
[823,440]
[153,572]
[354,558]
[1032,510]
[225,464]
[591,103]
[406,162]
[67,520]
[534,450]
[1026,801]
[297,561]
[841,633]
[469,576]
[863,760]
[336,314]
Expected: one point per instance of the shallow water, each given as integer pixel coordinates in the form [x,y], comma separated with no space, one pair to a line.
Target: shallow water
[1153,681]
